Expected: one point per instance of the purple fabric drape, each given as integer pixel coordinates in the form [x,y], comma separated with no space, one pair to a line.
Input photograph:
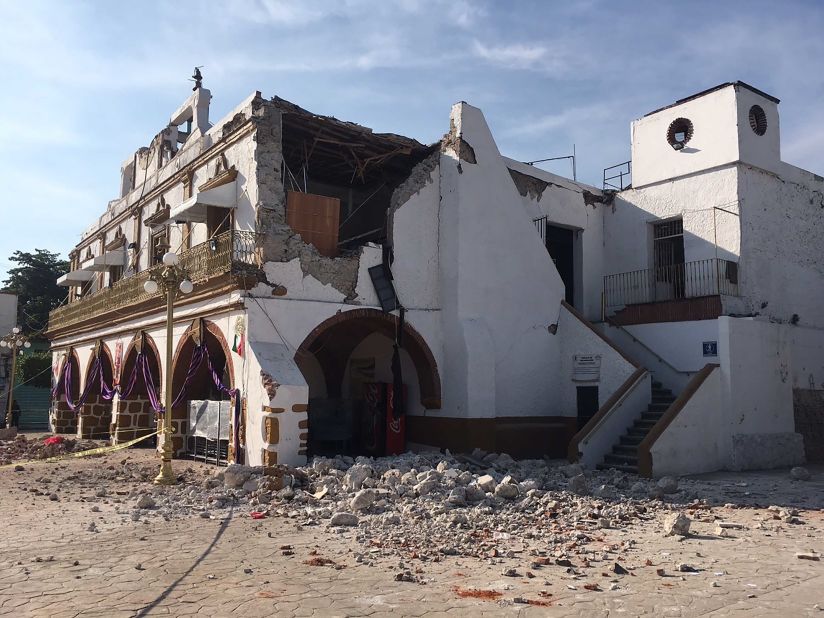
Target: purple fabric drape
[142,367]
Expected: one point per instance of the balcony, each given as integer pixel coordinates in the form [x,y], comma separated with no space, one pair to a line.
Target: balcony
[231,253]
[670,287]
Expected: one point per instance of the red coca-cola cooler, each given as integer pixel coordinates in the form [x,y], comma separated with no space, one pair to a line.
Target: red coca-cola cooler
[383,429]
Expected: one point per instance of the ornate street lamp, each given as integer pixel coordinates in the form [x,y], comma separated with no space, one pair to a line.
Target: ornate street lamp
[15,341]
[172,279]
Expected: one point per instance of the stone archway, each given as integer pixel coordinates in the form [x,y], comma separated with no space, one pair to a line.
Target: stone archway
[201,385]
[327,359]
[95,414]
[62,418]
[134,416]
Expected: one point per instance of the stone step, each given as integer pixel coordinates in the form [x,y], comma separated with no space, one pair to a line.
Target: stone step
[625,449]
[652,416]
[631,441]
[658,406]
[621,460]
[645,424]
[622,468]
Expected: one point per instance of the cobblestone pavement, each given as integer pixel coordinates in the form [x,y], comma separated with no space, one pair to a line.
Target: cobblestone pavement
[53,564]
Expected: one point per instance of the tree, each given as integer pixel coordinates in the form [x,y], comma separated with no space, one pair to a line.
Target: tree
[34,282]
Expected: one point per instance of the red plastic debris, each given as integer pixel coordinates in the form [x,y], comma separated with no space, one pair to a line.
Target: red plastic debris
[53,440]
[257,515]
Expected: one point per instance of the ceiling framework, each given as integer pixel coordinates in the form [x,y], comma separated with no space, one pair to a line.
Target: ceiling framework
[344,153]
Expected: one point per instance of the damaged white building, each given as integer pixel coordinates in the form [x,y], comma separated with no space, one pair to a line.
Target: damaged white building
[365,293]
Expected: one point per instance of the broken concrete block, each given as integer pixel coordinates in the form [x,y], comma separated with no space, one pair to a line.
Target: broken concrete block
[668,484]
[507,491]
[578,484]
[800,473]
[486,482]
[344,519]
[145,501]
[236,475]
[363,499]
[677,523]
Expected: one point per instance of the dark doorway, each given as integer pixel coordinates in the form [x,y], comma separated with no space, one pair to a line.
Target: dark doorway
[668,255]
[587,404]
[559,243]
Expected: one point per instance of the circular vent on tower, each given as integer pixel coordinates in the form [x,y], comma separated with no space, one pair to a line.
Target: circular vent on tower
[679,133]
[758,120]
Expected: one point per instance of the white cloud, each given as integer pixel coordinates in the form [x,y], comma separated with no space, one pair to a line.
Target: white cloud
[514,56]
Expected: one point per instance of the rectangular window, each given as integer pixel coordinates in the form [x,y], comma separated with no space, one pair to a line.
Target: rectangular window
[159,245]
[115,274]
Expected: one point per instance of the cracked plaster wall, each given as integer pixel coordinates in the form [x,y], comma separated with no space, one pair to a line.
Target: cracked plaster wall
[782,246]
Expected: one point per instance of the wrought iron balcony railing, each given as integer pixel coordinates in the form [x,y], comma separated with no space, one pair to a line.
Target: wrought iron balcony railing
[232,252]
[709,277]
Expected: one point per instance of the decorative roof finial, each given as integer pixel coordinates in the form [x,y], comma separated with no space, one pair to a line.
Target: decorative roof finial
[197,77]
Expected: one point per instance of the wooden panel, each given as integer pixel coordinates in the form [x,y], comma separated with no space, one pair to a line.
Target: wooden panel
[316,218]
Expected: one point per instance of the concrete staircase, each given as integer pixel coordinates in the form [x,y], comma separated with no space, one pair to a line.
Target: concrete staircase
[624,455]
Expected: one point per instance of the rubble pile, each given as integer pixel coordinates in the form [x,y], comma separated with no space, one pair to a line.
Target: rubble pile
[426,504]
[23,448]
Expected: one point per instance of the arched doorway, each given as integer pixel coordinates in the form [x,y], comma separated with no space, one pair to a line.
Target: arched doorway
[135,417]
[347,362]
[202,390]
[63,418]
[95,414]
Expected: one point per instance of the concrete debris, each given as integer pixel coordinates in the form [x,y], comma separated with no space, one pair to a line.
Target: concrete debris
[808,556]
[578,485]
[677,524]
[344,519]
[363,499]
[800,473]
[668,484]
[20,447]
[145,501]
[486,483]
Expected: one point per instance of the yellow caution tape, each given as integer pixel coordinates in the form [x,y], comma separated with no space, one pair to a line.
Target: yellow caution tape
[95,451]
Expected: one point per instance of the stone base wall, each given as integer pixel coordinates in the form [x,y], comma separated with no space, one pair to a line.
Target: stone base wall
[95,419]
[763,451]
[135,418]
[62,419]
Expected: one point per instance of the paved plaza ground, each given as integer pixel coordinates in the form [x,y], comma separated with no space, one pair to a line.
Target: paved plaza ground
[67,552]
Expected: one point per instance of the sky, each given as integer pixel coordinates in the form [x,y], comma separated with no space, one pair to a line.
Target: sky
[85,84]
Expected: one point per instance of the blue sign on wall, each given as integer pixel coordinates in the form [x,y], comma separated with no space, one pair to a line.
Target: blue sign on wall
[710,348]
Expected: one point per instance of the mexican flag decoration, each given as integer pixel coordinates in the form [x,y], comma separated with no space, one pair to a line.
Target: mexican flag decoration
[239,345]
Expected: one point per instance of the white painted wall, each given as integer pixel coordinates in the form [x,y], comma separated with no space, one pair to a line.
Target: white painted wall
[576,338]
[660,369]
[782,247]
[714,141]
[499,292]
[722,135]
[679,343]
[757,394]
[563,203]
[693,442]
[628,225]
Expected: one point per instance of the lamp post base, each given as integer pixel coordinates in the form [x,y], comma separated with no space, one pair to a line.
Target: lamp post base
[165,476]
